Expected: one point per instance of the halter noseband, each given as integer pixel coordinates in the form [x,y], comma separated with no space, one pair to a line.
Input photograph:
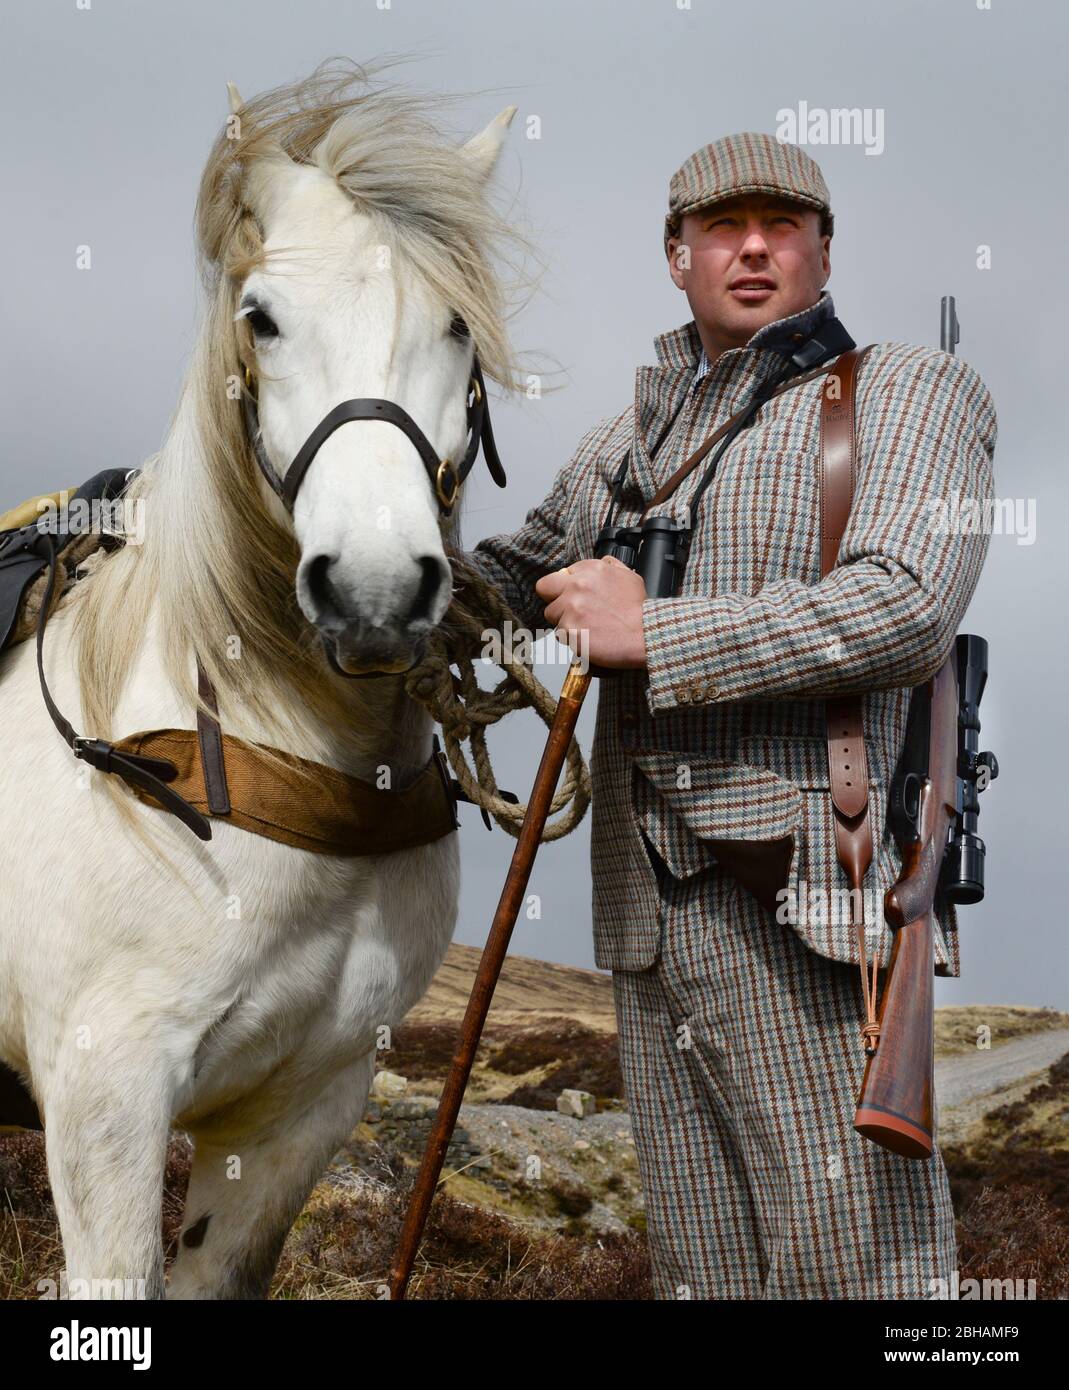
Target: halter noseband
[445,477]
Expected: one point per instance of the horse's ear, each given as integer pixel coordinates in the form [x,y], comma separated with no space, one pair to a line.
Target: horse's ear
[268,156]
[483,149]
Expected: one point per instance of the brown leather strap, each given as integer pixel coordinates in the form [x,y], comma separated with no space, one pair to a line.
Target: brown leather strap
[848,773]
[838,454]
[302,803]
[689,464]
[847,763]
[210,737]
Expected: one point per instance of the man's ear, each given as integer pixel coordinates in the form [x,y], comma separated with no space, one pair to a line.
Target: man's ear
[678,253]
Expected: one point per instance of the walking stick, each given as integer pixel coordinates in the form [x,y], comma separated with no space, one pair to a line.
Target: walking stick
[572,695]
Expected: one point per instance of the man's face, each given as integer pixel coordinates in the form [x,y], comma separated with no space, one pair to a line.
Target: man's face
[753,260]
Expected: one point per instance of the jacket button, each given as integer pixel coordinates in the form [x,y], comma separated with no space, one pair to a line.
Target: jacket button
[682,694]
[629,721]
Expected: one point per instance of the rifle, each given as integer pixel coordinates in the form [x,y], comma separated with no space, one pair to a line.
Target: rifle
[894,1108]
[932,810]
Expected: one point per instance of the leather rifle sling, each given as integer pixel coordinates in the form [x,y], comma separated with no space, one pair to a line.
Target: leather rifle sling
[848,772]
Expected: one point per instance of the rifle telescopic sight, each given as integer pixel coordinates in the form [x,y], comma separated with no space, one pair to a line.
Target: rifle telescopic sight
[962,878]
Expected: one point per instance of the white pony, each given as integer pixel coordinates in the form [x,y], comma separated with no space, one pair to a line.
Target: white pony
[238,988]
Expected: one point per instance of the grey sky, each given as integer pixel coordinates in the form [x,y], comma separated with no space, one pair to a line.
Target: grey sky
[109,113]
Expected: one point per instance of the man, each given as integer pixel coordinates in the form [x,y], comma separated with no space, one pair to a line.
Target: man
[739,1024]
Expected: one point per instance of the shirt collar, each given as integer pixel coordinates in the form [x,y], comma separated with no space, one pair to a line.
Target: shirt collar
[682,347]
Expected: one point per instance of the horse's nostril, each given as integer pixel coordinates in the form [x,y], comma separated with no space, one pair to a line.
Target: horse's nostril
[317,578]
[430,581]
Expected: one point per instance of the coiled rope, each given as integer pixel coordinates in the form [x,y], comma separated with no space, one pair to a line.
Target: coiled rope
[465,711]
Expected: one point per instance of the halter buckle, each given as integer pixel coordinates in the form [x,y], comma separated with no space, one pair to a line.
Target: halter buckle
[446,484]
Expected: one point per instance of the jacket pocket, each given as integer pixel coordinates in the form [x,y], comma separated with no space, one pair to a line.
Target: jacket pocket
[700,812]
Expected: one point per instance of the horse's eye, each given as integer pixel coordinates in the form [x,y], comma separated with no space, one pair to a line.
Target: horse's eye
[263,325]
[458,329]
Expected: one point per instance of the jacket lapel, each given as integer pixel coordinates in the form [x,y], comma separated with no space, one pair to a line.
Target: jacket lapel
[660,394]
[661,390]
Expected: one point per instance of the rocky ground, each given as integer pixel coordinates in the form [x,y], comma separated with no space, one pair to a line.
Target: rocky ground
[539,1204]
[552,1171]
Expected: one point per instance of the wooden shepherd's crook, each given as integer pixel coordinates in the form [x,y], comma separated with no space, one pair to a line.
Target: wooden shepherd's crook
[572,695]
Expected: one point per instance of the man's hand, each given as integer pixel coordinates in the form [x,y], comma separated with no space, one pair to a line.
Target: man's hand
[603,600]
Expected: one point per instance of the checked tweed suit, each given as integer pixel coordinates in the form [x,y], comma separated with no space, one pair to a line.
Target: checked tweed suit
[739,1027]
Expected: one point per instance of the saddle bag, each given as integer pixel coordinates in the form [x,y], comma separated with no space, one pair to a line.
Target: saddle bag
[23,561]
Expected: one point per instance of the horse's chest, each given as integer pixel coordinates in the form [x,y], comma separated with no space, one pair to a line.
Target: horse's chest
[338,984]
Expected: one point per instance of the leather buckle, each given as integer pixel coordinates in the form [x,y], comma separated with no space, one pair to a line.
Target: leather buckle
[95,751]
[446,478]
[441,763]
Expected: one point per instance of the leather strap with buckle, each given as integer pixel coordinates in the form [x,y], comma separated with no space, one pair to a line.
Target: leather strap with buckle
[848,774]
[445,476]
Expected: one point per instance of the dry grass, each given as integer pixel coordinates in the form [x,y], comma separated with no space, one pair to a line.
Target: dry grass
[956,1028]
[528,993]
[343,1244]
[518,1064]
[343,1241]
[1015,1233]
[1010,1186]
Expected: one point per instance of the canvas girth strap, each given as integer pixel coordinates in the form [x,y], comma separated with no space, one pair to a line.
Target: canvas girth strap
[848,773]
[297,802]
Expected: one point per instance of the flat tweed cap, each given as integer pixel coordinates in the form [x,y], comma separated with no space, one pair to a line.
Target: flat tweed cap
[747,163]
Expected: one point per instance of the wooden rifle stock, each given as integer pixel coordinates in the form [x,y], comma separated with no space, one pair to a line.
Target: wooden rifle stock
[895,1106]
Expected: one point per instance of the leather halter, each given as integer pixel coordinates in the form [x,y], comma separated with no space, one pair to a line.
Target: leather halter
[445,477]
[148,774]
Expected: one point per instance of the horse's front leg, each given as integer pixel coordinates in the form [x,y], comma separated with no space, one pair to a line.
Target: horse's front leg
[107,1121]
[245,1193]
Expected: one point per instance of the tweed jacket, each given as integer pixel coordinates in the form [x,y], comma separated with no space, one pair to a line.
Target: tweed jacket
[722,735]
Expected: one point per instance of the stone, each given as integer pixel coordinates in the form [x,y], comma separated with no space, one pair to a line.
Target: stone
[577,1103]
[388,1083]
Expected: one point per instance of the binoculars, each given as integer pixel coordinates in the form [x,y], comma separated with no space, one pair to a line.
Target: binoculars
[657,550]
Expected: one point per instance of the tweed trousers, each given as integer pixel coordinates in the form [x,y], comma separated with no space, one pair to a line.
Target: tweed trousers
[741,1060]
